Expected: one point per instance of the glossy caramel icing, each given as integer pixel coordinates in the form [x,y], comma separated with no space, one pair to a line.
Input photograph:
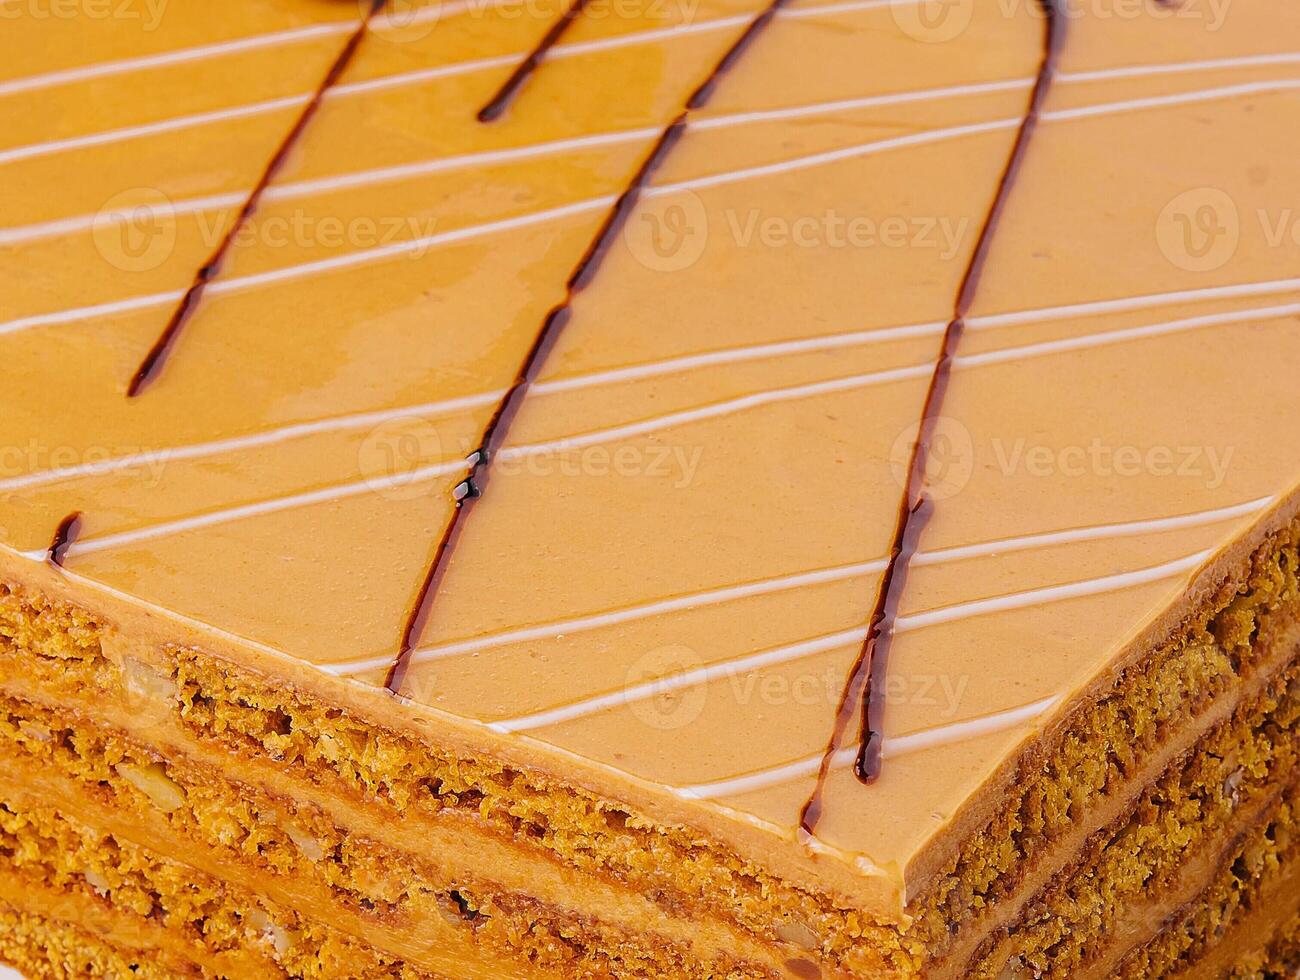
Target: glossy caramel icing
[678,535]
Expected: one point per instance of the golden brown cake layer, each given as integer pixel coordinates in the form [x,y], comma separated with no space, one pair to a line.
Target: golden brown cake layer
[65,868]
[1152,865]
[275,782]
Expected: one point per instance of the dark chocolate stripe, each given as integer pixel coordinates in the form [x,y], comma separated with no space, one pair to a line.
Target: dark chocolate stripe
[468,490]
[64,535]
[524,70]
[864,688]
[157,356]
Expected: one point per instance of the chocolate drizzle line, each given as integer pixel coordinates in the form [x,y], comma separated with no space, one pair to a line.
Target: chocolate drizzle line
[864,690]
[469,489]
[524,70]
[64,535]
[153,361]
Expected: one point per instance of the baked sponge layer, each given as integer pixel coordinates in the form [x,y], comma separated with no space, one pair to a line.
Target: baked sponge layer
[394,848]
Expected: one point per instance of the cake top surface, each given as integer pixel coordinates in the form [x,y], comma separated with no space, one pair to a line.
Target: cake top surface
[575,399]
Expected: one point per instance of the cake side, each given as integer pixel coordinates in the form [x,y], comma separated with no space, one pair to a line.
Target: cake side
[1178,696]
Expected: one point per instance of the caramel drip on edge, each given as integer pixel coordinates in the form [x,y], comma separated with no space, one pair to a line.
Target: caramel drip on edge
[865,683]
[154,360]
[469,489]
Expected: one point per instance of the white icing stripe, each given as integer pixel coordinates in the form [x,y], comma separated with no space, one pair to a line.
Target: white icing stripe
[201,53]
[800,392]
[379,175]
[305,188]
[348,89]
[783,348]
[828,9]
[829,156]
[728,407]
[385,21]
[956,132]
[892,748]
[822,108]
[383,174]
[87,222]
[323,185]
[1130,303]
[618,375]
[574,49]
[254,440]
[88,546]
[1181,98]
[703,675]
[1094,533]
[1051,593]
[1179,67]
[352,260]
[420,76]
[853,382]
[363,257]
[1119,336]
[91,312]
[806,648]
[391,20]
[152,129]
[862,337]
[696,600]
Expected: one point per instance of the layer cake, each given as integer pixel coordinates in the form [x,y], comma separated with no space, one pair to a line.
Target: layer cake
[724,488]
